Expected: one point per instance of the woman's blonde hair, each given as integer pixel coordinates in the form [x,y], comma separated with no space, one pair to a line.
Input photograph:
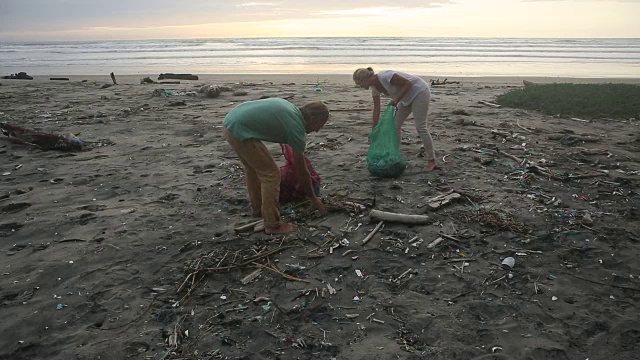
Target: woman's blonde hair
[315,110]
[362,74]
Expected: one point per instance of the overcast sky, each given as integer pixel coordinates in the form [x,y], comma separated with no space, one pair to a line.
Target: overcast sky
[145,19]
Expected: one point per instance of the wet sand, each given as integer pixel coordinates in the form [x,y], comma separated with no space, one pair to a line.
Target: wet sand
[128,251]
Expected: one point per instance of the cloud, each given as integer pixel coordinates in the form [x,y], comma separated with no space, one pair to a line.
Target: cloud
[60,15]
[376,11]
[251,4]
[52,19]
[590,1]
[371,11]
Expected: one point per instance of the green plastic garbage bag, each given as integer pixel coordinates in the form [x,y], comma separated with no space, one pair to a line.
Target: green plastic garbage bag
[384,158]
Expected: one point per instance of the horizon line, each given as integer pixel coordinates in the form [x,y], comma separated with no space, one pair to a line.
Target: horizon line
[325,37]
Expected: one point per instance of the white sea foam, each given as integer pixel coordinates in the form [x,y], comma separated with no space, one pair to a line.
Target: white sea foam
[423,56]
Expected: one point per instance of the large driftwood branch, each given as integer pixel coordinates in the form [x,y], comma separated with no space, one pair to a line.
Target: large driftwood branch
[177,76]
[399,218]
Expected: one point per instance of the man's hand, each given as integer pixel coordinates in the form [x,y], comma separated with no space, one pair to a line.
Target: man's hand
[305,179]
[320,206]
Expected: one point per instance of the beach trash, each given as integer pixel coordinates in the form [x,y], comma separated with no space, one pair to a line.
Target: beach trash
[508,263]
[213,92]
[210,91]
[163,93]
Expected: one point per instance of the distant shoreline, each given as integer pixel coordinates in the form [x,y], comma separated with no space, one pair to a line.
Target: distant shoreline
[335,78]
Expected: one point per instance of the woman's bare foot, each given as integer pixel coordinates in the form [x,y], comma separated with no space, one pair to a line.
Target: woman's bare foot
[431,165]
[285,228]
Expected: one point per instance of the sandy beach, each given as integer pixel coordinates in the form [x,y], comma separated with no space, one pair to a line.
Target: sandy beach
[129,250]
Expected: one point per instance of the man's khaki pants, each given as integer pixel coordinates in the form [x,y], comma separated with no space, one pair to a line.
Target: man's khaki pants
[262,175]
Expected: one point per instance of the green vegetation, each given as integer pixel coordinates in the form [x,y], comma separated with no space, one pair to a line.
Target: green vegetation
[590,101]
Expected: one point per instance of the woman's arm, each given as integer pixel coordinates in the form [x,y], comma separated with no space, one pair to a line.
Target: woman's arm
[376,110]
[404,84]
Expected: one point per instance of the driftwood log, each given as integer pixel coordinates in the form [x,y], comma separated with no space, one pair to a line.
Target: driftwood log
[177,76]
[571,139]
[18,76]
[41,140]
[445,82]
[399,218]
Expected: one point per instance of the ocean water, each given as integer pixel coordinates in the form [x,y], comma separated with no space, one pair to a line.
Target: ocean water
[421,56]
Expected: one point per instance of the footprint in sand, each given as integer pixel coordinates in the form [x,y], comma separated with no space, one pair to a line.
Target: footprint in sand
[15,297]
[169,197]
[23,191]
[9,229]
[630,339]
[85,218]
[135,348]
[93,208]
[14,207]
[20,191]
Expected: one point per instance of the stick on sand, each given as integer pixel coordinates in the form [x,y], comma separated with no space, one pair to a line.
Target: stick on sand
[373,232]
[399,218]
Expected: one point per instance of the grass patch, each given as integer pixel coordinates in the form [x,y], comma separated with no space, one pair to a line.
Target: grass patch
[591,101]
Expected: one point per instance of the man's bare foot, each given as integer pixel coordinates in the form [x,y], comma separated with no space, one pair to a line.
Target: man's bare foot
[285,228]
[431,165]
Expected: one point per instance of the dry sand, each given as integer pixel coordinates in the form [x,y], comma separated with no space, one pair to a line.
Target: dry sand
[135,239]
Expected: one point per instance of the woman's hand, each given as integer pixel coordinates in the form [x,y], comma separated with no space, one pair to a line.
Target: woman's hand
[376,111]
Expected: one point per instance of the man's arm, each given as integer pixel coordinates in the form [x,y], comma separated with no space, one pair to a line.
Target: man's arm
[307,185]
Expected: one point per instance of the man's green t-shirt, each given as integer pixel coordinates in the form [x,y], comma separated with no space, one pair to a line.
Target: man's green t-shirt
[273,120]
